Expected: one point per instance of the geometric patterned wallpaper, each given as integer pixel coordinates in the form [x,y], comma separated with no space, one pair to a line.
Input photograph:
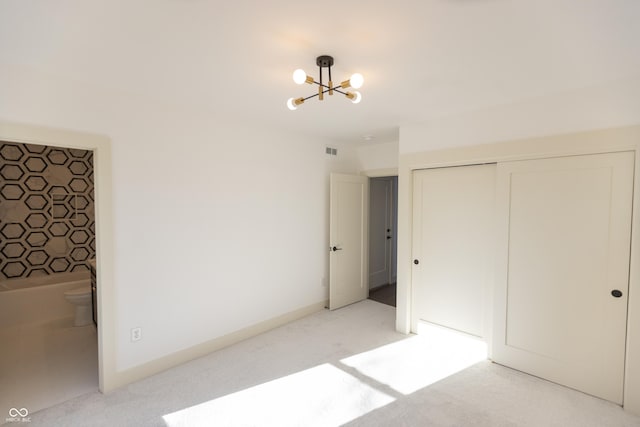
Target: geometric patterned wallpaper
[47,216]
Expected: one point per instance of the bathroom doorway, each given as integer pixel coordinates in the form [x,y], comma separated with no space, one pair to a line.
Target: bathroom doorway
[47,225]
[383,242]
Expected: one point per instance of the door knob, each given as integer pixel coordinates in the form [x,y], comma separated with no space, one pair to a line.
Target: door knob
[335,248]
[416,262]
[616,293]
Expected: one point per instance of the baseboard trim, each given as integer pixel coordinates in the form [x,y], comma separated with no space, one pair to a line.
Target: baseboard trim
[137,373]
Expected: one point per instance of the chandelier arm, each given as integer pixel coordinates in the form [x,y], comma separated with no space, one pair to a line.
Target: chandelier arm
[327,89]
[336,88]
[324,91]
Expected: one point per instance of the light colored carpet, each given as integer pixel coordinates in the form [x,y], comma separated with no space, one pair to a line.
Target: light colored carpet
[348,367]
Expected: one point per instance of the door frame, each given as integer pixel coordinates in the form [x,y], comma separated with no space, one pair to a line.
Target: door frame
[393,218]
[101,147]
[582,143]
[387,173]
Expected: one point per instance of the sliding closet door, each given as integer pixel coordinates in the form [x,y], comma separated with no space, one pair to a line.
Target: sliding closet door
[563,264]
[453,211]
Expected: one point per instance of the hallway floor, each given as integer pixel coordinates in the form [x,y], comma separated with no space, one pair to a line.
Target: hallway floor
[385,294]
[43,364]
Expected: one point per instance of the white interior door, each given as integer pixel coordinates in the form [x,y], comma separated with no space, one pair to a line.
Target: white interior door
[453,217]
[381,231]
[564,235]
[348,230]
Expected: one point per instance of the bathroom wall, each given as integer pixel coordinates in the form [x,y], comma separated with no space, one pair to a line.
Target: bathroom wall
[46,210]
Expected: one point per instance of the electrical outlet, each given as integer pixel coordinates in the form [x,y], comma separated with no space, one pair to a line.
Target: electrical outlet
[136,334]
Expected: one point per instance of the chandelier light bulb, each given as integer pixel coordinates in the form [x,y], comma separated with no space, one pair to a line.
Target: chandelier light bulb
[356,81]
[299,76]
[293,103]
[358,97]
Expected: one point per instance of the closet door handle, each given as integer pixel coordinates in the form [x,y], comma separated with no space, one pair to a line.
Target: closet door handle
[616,293]
[335,248]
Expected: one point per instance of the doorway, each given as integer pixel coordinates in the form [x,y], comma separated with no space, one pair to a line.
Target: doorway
[47,224]
[383,241]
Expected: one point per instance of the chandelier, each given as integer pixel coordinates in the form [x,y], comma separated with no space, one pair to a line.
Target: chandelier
[326,61]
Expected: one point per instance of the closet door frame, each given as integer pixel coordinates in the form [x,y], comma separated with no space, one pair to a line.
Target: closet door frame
[594,142]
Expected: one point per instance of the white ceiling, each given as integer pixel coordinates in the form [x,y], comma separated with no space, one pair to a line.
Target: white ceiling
[421,59]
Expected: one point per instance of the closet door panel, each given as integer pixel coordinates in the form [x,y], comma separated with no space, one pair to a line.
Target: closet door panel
[564,246]
[452,242]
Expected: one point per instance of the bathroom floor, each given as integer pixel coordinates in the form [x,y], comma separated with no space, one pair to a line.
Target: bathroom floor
[43,364]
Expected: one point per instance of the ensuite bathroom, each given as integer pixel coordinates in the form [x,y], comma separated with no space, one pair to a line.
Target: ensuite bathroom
[48,304]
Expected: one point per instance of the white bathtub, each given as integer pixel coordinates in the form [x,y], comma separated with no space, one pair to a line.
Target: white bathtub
[39,299]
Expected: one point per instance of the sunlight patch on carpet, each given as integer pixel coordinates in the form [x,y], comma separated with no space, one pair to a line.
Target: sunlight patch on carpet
[414,363]
[320,396]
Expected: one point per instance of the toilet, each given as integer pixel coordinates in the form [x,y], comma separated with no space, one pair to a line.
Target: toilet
[81,298]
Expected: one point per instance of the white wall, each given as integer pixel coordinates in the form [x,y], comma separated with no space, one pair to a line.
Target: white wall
[378,157]
[223,227]
[614,104]
[216,226]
